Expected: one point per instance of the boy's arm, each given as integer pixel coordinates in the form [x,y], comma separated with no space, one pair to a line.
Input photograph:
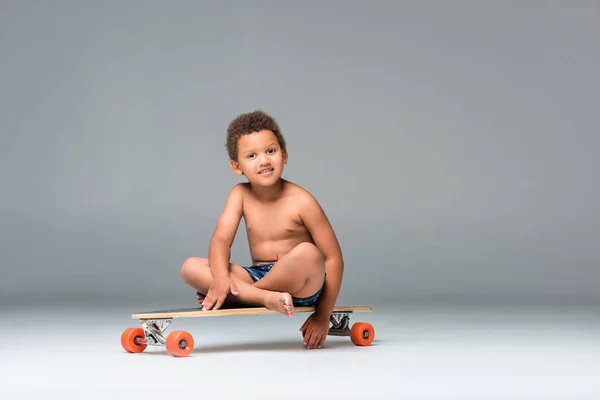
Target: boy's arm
[219,251]
[324,237]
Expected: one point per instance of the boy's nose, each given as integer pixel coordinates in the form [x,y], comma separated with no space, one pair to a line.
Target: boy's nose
[264,160]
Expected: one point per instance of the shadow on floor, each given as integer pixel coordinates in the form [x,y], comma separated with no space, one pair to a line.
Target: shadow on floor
[284,345]
[287,345]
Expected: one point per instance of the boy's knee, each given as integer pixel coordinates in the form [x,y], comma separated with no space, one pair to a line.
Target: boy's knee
[184,270]
[187,268]
[309,253]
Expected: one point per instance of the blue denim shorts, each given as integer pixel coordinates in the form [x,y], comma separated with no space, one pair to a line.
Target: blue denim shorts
[257,272]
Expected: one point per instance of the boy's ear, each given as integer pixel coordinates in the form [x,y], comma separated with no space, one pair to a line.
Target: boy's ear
[285,155]
[235,167]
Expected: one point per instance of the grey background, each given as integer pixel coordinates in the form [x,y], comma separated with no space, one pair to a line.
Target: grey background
[452,144]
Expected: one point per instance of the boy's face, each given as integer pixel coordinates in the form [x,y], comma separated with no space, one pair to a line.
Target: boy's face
[260,158]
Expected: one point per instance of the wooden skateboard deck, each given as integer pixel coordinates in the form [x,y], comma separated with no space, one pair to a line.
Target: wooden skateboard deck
[197,312]
[181,343]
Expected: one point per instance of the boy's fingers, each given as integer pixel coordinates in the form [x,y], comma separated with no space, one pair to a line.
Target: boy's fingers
[220,302]
[308,338]
[313,339]
[209,301]
[318,339]
[305,336]
[303,327]
[321,340]
[215,303]
[303,331]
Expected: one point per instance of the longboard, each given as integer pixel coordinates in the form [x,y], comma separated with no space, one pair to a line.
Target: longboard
[181,343]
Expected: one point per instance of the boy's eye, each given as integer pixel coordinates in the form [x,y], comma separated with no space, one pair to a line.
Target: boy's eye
[250,156]
[271,151]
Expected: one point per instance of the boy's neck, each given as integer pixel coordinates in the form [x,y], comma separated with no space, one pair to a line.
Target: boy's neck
[268,193]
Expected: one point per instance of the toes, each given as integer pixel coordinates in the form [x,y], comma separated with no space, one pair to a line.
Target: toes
[287,305]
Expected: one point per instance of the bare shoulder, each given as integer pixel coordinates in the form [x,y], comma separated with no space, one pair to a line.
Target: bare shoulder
[240,190]
[241,187]
[303,198]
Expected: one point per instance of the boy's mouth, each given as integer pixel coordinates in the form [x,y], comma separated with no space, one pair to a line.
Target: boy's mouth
[266,171]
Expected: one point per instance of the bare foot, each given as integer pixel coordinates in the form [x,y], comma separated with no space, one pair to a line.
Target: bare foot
[280,302]
[200,297]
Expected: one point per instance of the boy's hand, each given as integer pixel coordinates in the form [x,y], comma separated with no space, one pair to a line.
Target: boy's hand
[218,291]
[315,330]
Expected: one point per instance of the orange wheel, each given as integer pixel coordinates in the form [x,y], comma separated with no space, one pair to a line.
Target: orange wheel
[129,340]
[180,343]
[362,334]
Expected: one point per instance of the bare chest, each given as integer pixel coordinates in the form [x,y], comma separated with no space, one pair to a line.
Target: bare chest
[273,223]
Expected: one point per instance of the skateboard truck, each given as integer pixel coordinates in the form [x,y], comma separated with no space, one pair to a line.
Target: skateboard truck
[361,333]
[153,331]
[340,324]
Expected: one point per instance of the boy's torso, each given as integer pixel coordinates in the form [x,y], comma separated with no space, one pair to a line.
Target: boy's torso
[274,228]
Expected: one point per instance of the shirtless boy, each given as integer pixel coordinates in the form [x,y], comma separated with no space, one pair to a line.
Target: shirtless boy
[296,258]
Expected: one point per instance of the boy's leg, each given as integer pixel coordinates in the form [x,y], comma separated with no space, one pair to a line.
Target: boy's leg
[301,272]
[196,273]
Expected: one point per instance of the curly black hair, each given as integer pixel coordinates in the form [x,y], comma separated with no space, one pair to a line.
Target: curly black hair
[247,123]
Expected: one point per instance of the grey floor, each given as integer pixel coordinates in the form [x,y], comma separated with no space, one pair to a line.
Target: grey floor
[420,352]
